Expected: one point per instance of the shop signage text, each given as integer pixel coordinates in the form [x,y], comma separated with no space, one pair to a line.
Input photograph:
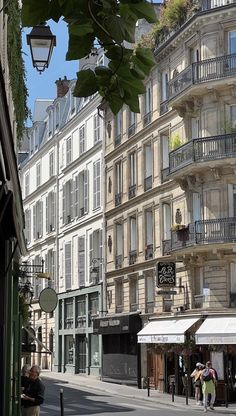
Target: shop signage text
[165,274]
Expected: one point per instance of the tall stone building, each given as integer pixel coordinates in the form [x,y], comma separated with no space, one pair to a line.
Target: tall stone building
[170,198]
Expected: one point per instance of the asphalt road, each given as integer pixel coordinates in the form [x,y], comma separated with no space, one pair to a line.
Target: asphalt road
[81,401]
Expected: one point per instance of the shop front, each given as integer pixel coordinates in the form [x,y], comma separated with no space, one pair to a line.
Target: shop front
[120,355]
[171,352]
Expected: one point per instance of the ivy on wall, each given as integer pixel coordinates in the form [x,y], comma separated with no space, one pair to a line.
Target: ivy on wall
[16,66]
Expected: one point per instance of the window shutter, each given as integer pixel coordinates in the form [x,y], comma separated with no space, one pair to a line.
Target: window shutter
[98,183]
[81,261]
[76,196]
[46,263]
[53,210]
[67,266]
[63,204]
[47,214]
[29,225]
[94,186]
[91,249]
[40,218]
[100,253]
[71,199]
[34,222]
[86,190]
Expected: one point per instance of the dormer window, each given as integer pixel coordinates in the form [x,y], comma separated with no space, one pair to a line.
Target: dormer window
[32,143]
[50,124]
[72,103]
[57,116]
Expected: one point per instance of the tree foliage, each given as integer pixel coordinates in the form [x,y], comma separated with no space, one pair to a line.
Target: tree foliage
[109,24]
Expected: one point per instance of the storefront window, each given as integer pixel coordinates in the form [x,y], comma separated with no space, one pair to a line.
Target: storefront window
[69,313]
[94,350]
[69,349]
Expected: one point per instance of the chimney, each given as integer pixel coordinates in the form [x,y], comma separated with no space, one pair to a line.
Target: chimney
[62,86]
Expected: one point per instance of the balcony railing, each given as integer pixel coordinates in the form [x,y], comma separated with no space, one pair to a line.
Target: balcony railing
[148,183]
[117,140]
[149,252]
[119,308]
[213,4]
[68,324]
[202,71]
[147,118]
[163,107]
[132,191]
[213,231]
[203,149]
[132,256]
[165,174]
[133,307]
[118,198]
[131,130]
[149,306]
[81,322]
[119,261]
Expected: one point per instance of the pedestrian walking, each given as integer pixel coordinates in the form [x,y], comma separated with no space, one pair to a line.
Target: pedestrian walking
[25,374]
[197,384]
[208,379]
[33,394]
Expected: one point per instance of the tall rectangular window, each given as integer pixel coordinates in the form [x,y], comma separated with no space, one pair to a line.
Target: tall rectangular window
[38,283]
[38,174]
[148,166]
[95,252]
[132,166]
[118,124]
[148,227]
[232,42]
[119,296]
[133,233]
[68,267]
[27,225]
[82,146]
[68,150]
[51,164]
[96,184]
[166,221]
[67,202]
[148,99]
[38,220]
[97,128]
[50,258]
[164,86]
[83,192]
[165,150]
[81,261]
[118,177]
[50,211]
[26,184]
[133,294]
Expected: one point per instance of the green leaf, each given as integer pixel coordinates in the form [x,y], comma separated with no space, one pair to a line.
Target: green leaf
[145,55]
[79,46]
[115,102]
[144,10]
[81,29]
[133,103]
[86,83]
[34,12]
[115,27]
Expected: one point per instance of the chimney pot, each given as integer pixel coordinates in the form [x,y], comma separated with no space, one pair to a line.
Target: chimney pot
[62,86]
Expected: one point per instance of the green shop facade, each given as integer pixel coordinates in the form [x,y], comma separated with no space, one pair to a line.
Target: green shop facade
[77,347]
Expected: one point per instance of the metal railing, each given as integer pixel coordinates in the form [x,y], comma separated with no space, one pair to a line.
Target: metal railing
[119,261]
[132,191]
[147,118]
[165,174]
[202,71]
[131,130]
[68,323]
[118,198]
[212,231]
[213,4]
[81,322]
[117,140]
[132,256]
[203,149]
[148,183]
[164,107]
[149,252]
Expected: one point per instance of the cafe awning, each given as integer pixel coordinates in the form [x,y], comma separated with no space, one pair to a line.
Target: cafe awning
[166,331]
[217,330]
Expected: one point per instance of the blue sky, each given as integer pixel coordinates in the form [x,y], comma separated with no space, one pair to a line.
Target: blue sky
[43,86]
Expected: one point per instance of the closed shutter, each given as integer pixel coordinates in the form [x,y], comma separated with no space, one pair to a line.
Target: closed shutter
[40,218]
[67,266]
[53,283]
[71,199]
[53,211]
[86,190]
[100,254]
[63,204]
[34,222]
[76,196]
[81,261]
[47,214]
[91,256]
[94,186]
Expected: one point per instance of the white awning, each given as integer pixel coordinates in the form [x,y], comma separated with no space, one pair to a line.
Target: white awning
[217,330]
[166,331]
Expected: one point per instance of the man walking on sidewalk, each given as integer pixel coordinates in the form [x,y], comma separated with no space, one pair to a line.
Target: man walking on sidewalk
[208,379]
[33,394]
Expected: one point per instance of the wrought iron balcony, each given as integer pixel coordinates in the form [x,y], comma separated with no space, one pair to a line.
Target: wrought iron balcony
[132,191]
[147,118]
[149,252]
[119,308]
[213,231]
[203,149]
[132,256]
[148,183]
[119,261]
[213,4]
[164,107]
[166,247]
[131,130]
[201,72]
[68,323]
[117,140]
[133,307]
[118,198]
[81,322]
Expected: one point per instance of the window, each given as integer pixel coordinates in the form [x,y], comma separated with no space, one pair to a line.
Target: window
[132,166]
[68,266]
[118,127]
[97,128]
[38,174]
[57,115]
[232,42]
[148,166]
[94,345]
[50,266]
[72,102]
[133,233]
[81,312]
[27,225]
[82,147]
[38,220]
[38,283]
[119,245]
[147,104]
[26,184]
[83,193]
[199,284]
[166,221]
[67,202]
[51,164]
[195,127]
[148,234]
[51,212]
[196,206]
[233,117]
[96,184]
[118,182]
[81,261]
[69,349]
[131,122]
[164,86]
[95,252]
[165,151]
[133,294]
[93,304]
[68,150]
[150,292]
[119,295]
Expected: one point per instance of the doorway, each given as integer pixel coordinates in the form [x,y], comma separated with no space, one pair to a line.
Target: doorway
[81,354]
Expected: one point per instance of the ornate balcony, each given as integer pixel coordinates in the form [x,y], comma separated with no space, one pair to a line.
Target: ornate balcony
[119,261]
[118,198]
[132,191]
[200,150]
[131,130]
[149,252]
[148,183]
[132,256]
[117,140]
[164,107]
[147,118]
[213,69]
[204,232]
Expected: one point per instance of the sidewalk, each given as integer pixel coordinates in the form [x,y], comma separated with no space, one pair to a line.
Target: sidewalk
[130,391]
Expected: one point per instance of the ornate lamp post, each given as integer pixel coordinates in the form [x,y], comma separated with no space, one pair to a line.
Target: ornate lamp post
[41,42]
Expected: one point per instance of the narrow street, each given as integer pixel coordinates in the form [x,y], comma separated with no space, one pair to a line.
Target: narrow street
[81,401]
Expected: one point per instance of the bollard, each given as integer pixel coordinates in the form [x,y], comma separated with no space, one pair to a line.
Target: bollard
[226,395]
[148,386]
[61,402]
[173,391]
[186,389]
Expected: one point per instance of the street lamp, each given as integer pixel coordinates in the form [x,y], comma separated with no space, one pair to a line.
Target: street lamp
[41,42]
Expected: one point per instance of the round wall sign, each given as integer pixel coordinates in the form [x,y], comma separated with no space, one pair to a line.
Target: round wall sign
[48,300]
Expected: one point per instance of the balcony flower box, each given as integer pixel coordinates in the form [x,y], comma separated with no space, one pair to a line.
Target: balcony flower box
[182,231]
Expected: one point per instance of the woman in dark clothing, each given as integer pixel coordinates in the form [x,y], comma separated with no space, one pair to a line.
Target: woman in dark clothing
[33,395]
[25,374]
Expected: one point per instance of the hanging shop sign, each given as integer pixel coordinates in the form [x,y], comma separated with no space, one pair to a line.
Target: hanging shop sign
[48,300]
[165,274]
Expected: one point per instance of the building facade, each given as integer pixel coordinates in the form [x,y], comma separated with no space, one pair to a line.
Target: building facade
[170,186]
[61,181]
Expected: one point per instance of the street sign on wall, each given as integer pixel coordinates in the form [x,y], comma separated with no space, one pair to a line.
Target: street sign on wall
[165,274]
